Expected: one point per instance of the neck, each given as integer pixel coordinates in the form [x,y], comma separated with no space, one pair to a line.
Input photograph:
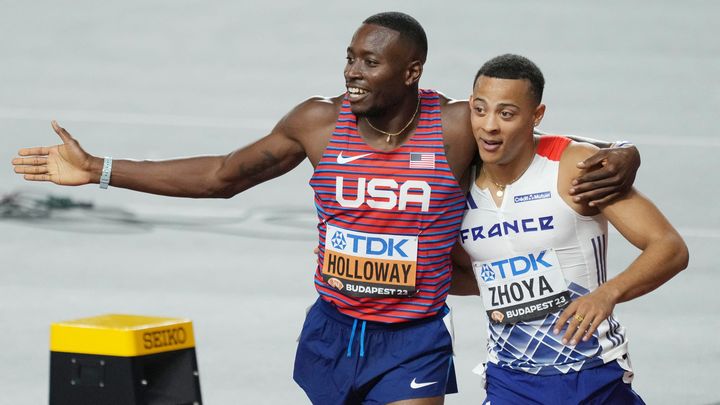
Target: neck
[395,117]
[509,172]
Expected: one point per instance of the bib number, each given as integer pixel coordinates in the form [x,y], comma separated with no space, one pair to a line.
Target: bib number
[522,288]
[360,264]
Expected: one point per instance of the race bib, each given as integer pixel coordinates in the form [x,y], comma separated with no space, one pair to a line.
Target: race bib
[360,264]
[523,287]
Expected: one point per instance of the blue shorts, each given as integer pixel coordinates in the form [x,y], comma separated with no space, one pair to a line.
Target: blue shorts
[341,360]
[599,385]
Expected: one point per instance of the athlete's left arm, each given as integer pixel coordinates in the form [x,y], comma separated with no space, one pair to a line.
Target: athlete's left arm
[611,175]
[664,254]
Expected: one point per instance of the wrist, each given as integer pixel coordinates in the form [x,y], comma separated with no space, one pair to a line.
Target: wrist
[95,168]
[611,291]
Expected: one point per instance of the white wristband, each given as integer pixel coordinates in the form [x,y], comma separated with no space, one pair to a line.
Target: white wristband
[106,171]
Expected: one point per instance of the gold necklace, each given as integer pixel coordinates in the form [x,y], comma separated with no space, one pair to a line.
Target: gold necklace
[390,135]
[501,187]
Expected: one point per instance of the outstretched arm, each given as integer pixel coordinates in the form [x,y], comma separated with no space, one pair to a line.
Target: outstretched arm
[203,176]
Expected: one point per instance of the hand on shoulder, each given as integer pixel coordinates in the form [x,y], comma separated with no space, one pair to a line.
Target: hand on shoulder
[574,153]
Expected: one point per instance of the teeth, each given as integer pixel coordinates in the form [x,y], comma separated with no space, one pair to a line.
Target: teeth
[356,91]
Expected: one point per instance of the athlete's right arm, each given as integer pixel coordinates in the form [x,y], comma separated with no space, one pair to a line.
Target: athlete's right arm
[463,278]
[296,136]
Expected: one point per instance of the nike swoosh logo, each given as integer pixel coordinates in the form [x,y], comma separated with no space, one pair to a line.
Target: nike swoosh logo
[415,385]
[342,160]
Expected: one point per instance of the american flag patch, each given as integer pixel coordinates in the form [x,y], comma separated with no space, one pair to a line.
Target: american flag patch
[422,160]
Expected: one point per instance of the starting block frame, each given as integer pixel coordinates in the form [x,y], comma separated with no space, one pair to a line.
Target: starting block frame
[117,359]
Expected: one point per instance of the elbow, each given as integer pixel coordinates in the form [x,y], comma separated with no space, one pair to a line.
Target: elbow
[217,187]
[683,255]
[224,193]
[680,255]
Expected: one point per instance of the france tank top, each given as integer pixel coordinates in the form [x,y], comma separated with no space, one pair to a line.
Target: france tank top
[532,255]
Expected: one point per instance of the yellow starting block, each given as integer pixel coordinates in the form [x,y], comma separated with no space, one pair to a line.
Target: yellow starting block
[123,360]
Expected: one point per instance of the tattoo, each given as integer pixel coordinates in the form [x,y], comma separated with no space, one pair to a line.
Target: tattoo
[268,161]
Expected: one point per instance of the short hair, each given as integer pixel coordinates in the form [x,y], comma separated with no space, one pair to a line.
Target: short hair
[510,66]
[408,27]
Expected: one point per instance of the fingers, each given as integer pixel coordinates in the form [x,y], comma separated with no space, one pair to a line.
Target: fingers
[31,169]
[64,135]
[36,151]
[579,327]
[596,196]
[604,200]
[607,171]
[37,177]
[596,159]
[580,324]
[564,316]
[33,161]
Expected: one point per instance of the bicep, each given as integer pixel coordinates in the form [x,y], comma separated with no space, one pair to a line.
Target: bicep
[637,219]
[269,157]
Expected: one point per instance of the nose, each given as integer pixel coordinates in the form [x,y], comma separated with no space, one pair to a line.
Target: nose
[489,124]
[352,70]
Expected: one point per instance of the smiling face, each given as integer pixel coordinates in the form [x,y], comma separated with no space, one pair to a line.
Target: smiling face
[503,113]
[380,70]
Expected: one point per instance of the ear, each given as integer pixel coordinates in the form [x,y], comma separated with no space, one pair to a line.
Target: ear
[413,72]
[539,114]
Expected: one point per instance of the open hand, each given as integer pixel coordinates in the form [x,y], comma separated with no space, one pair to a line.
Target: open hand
[610,174]
[584,315]
[65,164]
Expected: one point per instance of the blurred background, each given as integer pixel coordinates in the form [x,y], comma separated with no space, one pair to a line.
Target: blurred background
[161,79]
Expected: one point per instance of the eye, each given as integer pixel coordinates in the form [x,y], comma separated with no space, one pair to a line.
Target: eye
[371,62]
[479,110]
[506,114]
[349,60]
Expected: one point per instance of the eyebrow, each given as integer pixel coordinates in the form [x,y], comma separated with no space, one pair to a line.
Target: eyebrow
[502,105]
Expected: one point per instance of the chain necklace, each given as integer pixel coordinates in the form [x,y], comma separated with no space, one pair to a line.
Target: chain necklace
[390,135]
[501,187]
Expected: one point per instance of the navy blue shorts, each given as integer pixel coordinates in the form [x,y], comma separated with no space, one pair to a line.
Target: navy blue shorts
[341,360]
[606,384]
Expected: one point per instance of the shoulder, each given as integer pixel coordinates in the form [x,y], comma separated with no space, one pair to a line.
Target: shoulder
[310,125]
[312,118]
[576,152]
[452,106]
[316,110]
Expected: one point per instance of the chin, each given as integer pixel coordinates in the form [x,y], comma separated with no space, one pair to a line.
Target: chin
[489,157]
[361,110]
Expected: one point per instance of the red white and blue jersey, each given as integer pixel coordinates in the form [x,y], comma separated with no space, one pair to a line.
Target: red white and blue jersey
[532,255]
[386,220]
